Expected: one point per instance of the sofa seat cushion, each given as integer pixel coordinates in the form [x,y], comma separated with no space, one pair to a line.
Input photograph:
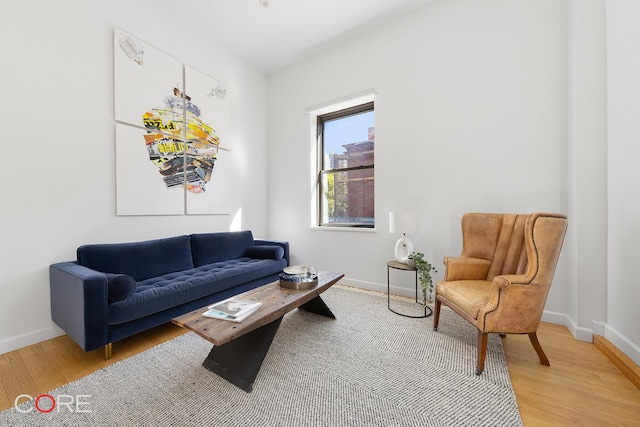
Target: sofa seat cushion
[170,290]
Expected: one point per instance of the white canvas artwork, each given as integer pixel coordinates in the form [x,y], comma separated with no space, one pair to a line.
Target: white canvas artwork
[139,190]
[172,134]
[213,102]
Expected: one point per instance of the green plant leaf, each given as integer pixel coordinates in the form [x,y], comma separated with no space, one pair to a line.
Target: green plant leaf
[425,269]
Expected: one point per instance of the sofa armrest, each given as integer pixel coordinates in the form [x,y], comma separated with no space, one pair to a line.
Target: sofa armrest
[79,303]
[283,244]
[465,268]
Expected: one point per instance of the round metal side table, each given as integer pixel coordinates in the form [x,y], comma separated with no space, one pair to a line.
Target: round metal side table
[400,266]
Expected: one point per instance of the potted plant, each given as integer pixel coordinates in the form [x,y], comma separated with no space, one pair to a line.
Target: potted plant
[425,269]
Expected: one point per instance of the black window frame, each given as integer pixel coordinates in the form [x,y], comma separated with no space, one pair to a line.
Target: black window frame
[324,169]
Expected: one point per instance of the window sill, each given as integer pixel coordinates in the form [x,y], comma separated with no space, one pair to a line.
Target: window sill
[349,229]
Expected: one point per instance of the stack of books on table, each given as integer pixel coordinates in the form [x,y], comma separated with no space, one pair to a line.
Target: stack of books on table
[233,309]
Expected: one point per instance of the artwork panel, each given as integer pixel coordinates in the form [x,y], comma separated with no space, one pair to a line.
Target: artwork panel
[213,99]
[144,76]
[218,197]
[140,186]
[211,103]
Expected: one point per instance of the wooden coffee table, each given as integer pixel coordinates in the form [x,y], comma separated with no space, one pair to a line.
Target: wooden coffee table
[240,348]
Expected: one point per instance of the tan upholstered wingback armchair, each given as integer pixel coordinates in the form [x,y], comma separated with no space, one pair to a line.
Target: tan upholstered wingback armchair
[501,280]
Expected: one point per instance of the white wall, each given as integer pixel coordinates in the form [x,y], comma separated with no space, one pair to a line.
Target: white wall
[623,55]
[481,106]
[587,167]
[58,170]
[471,115]
[484,106]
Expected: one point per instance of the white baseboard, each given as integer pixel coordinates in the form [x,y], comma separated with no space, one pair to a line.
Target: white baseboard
[24,340]
[379,287]
[578,332]
[622,343]
[598,327]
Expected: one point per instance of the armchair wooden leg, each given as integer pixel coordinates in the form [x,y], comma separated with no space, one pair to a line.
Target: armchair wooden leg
[483,338]
[536,344]
[436,314]
[108,351]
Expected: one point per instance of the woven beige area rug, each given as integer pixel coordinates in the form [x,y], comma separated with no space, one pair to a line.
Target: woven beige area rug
[368,367]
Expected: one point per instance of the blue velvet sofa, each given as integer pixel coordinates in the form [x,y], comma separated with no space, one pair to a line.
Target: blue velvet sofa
[116,290]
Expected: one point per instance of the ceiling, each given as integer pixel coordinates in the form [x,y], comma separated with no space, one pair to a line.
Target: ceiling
[274,36]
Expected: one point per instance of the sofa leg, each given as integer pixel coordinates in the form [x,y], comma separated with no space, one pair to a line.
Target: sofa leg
[108,351]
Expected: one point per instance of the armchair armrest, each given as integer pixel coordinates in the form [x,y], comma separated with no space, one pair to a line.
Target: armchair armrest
[283,244]
[465,268]
[508,280]
[79,303]
[514,304]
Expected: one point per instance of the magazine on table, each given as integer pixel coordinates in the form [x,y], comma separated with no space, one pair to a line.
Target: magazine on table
[232,309]
[214,314]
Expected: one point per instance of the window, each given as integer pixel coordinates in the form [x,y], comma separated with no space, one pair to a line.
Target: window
[346,160]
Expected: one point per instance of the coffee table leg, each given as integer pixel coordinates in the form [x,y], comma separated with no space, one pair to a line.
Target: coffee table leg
[239,361]
[317,306]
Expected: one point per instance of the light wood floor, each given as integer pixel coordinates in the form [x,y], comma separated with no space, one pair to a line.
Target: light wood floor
[580,388]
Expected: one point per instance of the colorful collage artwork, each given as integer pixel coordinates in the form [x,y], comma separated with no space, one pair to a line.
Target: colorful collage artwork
[172,134]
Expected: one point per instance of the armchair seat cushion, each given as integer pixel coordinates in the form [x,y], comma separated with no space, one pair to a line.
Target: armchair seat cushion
[467,295]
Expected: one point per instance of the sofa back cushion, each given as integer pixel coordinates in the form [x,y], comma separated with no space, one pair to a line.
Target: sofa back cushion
[140,260]
[208,248]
